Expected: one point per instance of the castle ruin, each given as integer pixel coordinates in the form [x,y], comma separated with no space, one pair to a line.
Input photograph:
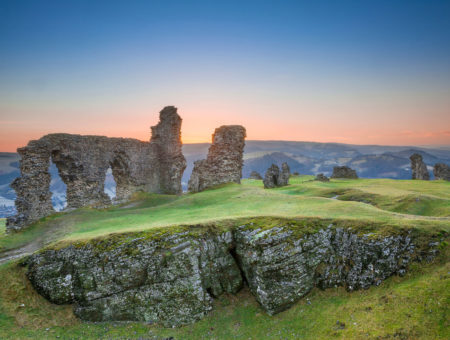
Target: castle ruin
[82,161]
[224,161]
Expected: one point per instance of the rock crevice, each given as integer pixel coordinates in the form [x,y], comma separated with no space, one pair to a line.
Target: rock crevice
[171,278]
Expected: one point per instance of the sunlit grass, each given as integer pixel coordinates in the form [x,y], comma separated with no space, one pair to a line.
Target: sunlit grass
[393,202]
[415,306]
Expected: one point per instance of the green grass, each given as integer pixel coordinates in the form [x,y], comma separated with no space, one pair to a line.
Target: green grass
[2,227]
[413,307]
[426,198]
[390,203]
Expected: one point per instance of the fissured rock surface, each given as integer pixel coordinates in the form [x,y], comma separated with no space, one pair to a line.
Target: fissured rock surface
[171,276]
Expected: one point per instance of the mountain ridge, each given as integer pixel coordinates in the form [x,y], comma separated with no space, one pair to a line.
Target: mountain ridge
[309,158]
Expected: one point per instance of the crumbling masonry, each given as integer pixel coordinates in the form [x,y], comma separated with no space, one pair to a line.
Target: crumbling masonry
[419,168]
[224,161]
[82,162]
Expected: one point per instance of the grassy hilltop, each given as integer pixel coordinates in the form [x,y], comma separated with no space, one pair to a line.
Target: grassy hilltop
[415,306]
[402,203]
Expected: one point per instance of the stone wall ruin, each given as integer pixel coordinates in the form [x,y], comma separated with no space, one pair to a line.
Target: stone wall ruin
[419,168]
[224,161]
[275,178]
[82,162]
[441,171]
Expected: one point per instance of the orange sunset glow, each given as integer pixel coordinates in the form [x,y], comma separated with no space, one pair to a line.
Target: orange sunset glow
[280,73]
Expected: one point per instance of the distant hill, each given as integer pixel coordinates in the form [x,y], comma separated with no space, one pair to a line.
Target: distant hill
[309,158]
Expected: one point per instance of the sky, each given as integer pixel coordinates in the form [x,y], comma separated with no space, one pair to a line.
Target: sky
[361,72]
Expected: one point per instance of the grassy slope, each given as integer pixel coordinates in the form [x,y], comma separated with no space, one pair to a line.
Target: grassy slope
[415,306]
[303,198]
[2,227]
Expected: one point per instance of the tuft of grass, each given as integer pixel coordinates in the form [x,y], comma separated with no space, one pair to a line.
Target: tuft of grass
[21,306]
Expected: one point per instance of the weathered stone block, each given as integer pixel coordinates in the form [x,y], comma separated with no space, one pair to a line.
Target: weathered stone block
[419,168]
[224,161]
[344,172]
[275,178]
[441,171]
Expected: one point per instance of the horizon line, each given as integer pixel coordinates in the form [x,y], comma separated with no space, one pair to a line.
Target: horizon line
[426,146]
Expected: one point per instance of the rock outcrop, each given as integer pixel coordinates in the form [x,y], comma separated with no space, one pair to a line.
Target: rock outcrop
[224,161]
[284,175]
[82,162]
[321,178]
[344,172]
[167,278]
[171,276]
[441,171]
[280,268]
[275,178]
[419,168]
[271,177]
[255,175]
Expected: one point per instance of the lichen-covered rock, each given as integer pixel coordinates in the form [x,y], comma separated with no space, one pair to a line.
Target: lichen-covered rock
[284,175]
[441,171]
[224,161]
[171,276]
[419,168]
[275,178]
[255,175]
[344,172]
[271,177]
[82,162]
[167,279]
[281,267]
[321,178]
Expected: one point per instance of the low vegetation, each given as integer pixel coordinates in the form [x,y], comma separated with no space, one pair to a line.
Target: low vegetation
[376,201]
[411,307]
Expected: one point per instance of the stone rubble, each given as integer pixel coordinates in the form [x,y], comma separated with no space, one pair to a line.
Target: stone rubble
[321,178]
[255,175]
[344,172]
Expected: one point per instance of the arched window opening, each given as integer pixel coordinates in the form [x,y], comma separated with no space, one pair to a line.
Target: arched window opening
[110,184]
[58,188]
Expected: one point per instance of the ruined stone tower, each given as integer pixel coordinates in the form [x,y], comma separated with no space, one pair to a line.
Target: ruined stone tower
[419,168]
[224,161]
[166,137]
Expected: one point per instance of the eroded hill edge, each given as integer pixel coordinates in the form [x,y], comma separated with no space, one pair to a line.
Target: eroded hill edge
[170,276]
